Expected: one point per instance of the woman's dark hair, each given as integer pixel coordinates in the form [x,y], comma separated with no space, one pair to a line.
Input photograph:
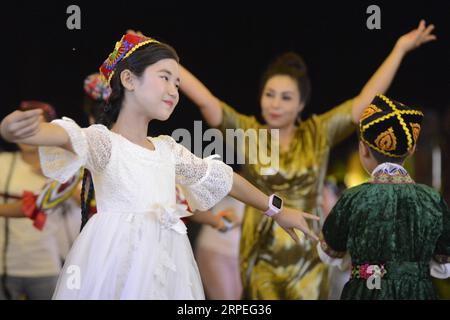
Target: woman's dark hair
[292,65]
[137,62]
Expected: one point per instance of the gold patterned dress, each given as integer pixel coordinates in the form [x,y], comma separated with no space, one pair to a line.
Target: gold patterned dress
[272,265]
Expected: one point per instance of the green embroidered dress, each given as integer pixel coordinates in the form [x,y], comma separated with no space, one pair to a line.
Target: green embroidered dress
[396,224]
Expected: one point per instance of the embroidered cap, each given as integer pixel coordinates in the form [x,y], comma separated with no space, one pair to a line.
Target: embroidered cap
[124,48]
[389,127]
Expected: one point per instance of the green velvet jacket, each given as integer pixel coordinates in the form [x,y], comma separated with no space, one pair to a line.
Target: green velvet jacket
[394,223]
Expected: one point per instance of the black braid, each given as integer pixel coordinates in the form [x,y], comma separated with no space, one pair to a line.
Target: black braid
[112,107]
[85,201]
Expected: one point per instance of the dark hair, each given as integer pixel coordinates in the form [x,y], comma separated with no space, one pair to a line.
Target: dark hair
[137,62]
[381,158]
[292,65]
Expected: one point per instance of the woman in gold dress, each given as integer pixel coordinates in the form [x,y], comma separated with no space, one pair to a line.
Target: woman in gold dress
[272,265]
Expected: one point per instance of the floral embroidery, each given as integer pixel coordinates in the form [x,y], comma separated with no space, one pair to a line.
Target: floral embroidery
[387,141]
[365,271]
[170,216]
[370,110]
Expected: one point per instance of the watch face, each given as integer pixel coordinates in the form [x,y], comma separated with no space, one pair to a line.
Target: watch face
[277,202]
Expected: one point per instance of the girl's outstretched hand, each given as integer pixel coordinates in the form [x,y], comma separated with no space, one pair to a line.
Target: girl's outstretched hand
[290,219]
[20,125]
[417,37]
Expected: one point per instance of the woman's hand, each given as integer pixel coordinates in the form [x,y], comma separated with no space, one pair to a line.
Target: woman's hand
[135,32]
[20,125]
[228,215]
[416,38]
[290,219]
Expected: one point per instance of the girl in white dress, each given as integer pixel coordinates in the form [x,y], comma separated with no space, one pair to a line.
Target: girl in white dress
[136,246]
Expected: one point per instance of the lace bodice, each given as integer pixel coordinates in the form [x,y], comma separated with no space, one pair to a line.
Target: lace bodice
[130,178]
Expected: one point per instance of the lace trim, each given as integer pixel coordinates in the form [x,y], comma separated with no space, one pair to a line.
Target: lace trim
[204,182]
[212,188]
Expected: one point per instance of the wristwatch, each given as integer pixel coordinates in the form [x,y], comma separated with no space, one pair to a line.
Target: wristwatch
[275,205]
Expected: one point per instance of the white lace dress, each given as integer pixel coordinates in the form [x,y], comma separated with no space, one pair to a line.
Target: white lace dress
[136,246]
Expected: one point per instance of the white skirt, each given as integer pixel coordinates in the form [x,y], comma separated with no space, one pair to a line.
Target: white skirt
[131,256]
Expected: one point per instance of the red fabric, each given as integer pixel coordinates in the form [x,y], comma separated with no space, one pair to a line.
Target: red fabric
[39,220]
[29,204]
[31,211]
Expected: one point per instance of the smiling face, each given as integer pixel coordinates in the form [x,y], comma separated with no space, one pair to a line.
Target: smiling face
[155,93]
[280,102]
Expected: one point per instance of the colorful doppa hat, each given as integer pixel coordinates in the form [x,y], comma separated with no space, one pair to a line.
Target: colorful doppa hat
[124,48]
[389,127]
[96,88]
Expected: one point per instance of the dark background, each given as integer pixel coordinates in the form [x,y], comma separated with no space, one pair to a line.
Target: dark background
[227,44]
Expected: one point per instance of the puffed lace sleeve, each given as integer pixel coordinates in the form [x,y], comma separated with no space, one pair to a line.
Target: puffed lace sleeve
[92,150]
[204,182]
